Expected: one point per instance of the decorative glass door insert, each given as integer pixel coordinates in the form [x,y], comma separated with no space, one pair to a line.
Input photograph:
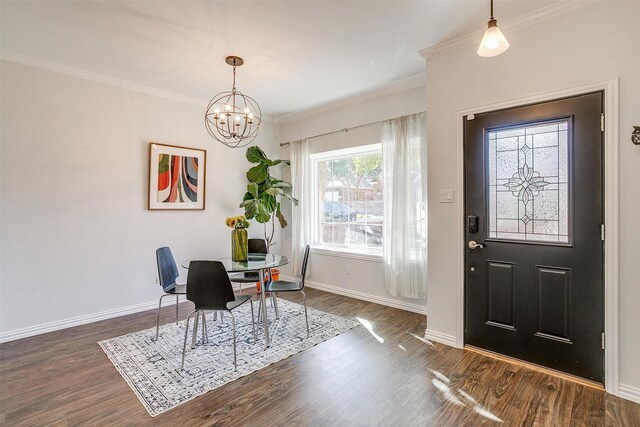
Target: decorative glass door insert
[528,172]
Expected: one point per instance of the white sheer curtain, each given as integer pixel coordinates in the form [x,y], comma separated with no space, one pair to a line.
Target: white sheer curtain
[404,244]
[301,214]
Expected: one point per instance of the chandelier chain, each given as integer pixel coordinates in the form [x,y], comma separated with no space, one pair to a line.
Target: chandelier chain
[234,77]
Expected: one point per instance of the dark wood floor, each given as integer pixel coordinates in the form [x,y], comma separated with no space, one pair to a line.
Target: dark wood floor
[355,379]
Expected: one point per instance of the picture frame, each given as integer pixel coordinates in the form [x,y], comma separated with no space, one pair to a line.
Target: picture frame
[177,177]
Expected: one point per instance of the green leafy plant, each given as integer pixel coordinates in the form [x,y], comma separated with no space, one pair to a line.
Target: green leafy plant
[264,193]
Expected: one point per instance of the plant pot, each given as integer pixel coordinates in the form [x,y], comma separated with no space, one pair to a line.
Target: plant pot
[259,286]
[239,245]
[276,276]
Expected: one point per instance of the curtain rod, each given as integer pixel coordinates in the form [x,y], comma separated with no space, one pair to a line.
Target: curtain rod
[282,144]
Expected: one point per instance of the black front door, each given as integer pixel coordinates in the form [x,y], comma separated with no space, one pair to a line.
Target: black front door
[534,254]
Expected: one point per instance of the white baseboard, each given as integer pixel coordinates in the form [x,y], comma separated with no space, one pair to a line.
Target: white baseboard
[445,339]
[389,302]
[628,392]
[43,328]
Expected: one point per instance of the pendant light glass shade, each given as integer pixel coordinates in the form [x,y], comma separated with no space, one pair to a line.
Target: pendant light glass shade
[493,42]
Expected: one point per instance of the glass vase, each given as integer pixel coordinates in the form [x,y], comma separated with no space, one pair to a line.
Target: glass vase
[239,245]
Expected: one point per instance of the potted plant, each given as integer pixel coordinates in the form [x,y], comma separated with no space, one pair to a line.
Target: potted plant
[264,193]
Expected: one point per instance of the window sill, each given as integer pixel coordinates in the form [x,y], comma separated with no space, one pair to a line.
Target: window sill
[346,253]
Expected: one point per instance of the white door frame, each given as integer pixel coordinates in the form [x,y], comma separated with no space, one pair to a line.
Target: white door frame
[611,143]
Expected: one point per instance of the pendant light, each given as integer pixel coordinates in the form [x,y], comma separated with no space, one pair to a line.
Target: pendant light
[233,118]
[494,42]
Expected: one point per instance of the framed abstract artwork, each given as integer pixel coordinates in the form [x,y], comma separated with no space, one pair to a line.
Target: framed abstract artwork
[176,177]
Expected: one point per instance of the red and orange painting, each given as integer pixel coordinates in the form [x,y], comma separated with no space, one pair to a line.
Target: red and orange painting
[178,176]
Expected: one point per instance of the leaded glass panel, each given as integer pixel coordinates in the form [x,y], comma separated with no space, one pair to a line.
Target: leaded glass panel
[529,182]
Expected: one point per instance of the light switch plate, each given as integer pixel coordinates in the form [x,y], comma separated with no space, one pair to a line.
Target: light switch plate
[446,196]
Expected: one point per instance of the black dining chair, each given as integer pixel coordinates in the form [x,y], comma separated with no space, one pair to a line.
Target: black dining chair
[274,287]
[256,246]
[209,289]
[167,275]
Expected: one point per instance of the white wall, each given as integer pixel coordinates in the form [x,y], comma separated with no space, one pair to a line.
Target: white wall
[594,43]
[77,238]
[351,276]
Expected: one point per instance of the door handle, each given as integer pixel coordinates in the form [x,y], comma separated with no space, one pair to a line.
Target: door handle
[474,245]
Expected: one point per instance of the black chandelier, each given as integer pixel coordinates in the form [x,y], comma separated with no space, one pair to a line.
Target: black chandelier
[233,118]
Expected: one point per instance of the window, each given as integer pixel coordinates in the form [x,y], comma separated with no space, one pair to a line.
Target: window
[529,182]
[348,205]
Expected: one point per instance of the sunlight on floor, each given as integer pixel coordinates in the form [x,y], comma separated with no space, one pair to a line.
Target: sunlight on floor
[468,397]
[487,414]
[440,376]
[441,383]
[446,391]
[424,340]
[369,328]
[402,347]
[479,409]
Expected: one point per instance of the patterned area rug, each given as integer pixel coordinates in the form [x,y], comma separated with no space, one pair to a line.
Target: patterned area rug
[152,369]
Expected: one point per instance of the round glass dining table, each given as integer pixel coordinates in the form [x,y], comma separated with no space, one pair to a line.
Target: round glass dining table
[258,263]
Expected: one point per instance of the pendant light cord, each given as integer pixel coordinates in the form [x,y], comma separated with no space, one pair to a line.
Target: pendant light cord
[491,12]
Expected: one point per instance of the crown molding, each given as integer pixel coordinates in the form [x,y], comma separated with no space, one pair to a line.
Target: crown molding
[111,81]
[514,24]
[398,86]
[99,78]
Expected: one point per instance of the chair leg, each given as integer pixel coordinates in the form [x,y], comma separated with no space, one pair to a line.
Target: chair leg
[259,308]
[195,330]
[205,332]
[253,323]
[186,333]
[177,300]
[306,317]
[158,317]
[274,302]
[215,316]
[233,325]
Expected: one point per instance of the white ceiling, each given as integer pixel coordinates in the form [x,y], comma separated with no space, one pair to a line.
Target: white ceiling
[297,54]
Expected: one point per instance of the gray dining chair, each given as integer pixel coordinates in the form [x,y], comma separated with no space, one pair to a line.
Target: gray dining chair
[277,286]
[256,246]
[167,275]
[209,289]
